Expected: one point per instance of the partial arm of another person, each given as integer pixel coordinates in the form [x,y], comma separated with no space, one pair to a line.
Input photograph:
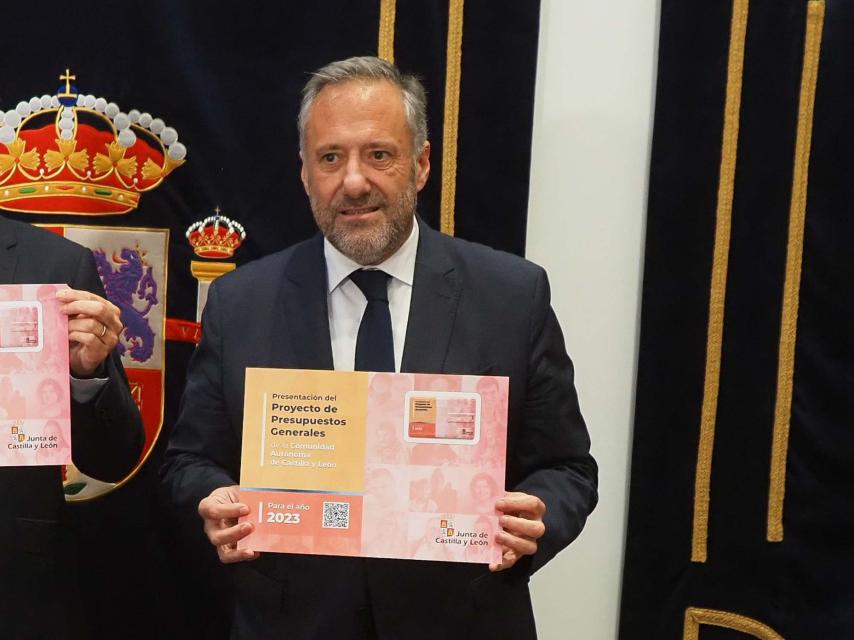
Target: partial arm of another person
[106,428]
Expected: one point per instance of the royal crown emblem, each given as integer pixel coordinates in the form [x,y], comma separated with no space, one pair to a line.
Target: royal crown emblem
[216,236]
[80,155]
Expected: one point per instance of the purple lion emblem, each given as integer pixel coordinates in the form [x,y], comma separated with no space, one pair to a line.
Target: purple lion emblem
[133,278]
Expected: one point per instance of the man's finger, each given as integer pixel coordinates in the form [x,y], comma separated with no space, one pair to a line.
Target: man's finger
[521,546]
[228,555]
[87,339]
[508,559]
[90,325]
[523,527]
[212,509]
[103,310]
[96,349]
[230,535]
[69,295]
[521,503]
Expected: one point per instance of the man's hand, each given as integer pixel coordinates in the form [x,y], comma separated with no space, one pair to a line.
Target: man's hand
[220,511]
[94,326]
[522,525]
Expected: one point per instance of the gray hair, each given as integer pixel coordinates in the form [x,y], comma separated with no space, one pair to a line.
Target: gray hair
[369,68]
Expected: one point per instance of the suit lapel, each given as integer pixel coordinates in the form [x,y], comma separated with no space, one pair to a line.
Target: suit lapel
[8,253]
[433,308]
[304,306]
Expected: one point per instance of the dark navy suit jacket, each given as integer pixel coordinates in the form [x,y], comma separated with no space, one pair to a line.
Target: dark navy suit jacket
[106,439]
[473,311]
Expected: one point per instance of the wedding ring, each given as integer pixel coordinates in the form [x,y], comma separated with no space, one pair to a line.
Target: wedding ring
[103,332]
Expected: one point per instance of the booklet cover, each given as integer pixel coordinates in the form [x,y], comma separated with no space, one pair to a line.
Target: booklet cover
[35,409]
[384,465]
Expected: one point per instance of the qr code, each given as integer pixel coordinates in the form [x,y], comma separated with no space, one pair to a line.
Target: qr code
[336,515]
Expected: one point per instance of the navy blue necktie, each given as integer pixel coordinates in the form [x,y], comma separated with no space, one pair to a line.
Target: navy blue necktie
[375,343]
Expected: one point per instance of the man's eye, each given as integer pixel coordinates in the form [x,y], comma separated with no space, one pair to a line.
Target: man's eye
[379,155]
[329,157]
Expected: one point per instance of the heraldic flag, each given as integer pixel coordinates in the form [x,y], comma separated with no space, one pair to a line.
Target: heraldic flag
[740,521]
[162,135]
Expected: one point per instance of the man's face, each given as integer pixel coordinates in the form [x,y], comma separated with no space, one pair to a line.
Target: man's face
[359,170]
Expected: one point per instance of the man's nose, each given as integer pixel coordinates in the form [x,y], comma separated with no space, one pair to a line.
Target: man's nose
[356,182]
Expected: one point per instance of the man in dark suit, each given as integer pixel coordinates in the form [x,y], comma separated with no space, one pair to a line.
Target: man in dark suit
[455,307]
[36,579]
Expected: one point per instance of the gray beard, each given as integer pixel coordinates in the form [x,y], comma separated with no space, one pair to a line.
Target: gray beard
[378,245]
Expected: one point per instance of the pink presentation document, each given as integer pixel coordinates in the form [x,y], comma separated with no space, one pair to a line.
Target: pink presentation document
[35,409]
[383,465]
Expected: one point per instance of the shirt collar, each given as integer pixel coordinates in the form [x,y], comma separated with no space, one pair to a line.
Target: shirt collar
[400,265]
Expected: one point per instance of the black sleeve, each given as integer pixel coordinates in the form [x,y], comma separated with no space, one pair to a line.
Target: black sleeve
[555,446]
[204,451]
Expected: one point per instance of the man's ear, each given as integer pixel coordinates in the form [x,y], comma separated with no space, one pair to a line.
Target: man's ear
[302,173]
[422,167]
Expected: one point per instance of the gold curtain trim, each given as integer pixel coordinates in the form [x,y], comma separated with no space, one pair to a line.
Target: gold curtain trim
[452,115]
[385,48]
[794,258]
[729,149]
[695,617]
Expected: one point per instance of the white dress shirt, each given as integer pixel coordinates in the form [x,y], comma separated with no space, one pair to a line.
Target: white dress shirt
[346,302]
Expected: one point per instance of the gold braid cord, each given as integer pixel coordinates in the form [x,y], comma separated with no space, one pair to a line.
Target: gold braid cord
[792,284]
[385,48]
[452,114]
[732,110]
[695,617]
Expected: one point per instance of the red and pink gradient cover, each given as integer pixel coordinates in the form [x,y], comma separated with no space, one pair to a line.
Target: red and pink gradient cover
[430,451]
[35,409]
